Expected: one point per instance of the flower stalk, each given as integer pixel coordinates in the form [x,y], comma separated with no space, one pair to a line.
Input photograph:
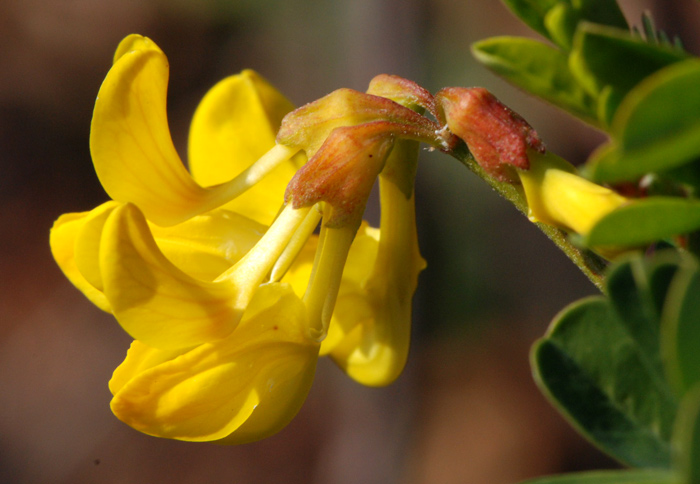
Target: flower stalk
[591,264]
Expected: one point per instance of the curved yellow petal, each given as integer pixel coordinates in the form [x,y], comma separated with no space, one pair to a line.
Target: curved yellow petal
[131,43]
[362,255]
[151,298]
[240,389]
[87,243]
[209,244]
[140,358]
[130,142]
[233,126]
[353,312]
[64,238]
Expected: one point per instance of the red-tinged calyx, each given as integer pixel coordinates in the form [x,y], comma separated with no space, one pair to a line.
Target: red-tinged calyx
[343,171]
[497,137]
[308,126]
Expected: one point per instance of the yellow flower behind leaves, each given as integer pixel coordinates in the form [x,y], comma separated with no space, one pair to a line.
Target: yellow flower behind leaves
[558,196]
[217,272]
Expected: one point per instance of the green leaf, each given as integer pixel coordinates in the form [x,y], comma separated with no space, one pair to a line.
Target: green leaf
[532,12]
[604,56]
[539,69]
[645,221]
[609,477]
[685,179]
[656,127]
[661,270]
[629,292]
[557,19]
[561,22]
[665,109]
[600,365]
[608,101]
[681,330]
[604,12]
[563,18]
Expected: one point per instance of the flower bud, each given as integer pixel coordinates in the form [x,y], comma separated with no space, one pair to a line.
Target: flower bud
[497,137]
[558,196]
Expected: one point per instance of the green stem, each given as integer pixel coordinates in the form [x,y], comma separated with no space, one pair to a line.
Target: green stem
[592,265]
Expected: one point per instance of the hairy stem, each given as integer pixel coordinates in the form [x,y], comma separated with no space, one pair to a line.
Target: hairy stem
[592,265]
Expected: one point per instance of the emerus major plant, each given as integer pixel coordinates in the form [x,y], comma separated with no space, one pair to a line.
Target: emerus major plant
[234,276]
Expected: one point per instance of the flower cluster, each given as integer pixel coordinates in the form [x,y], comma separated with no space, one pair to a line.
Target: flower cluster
[221,274]
[228,292]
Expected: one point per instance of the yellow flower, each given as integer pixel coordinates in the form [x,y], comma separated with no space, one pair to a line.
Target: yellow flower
[180,267]
[160,282]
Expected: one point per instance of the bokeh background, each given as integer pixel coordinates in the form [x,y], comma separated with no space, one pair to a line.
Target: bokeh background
[466,409]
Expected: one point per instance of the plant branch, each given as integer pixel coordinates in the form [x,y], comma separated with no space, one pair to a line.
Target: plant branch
[592,265]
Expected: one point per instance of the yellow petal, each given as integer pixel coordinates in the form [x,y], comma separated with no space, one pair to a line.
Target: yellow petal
[234,125]
[363,253]
[352,314]
[353,307]
[152,299]
[63,240]
[298,274]
[243,388]
[130,142]
[87,243]
[208,244]
[131,43]
[140,358]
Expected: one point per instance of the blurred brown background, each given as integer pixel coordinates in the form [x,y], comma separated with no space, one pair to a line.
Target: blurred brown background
[465,411]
